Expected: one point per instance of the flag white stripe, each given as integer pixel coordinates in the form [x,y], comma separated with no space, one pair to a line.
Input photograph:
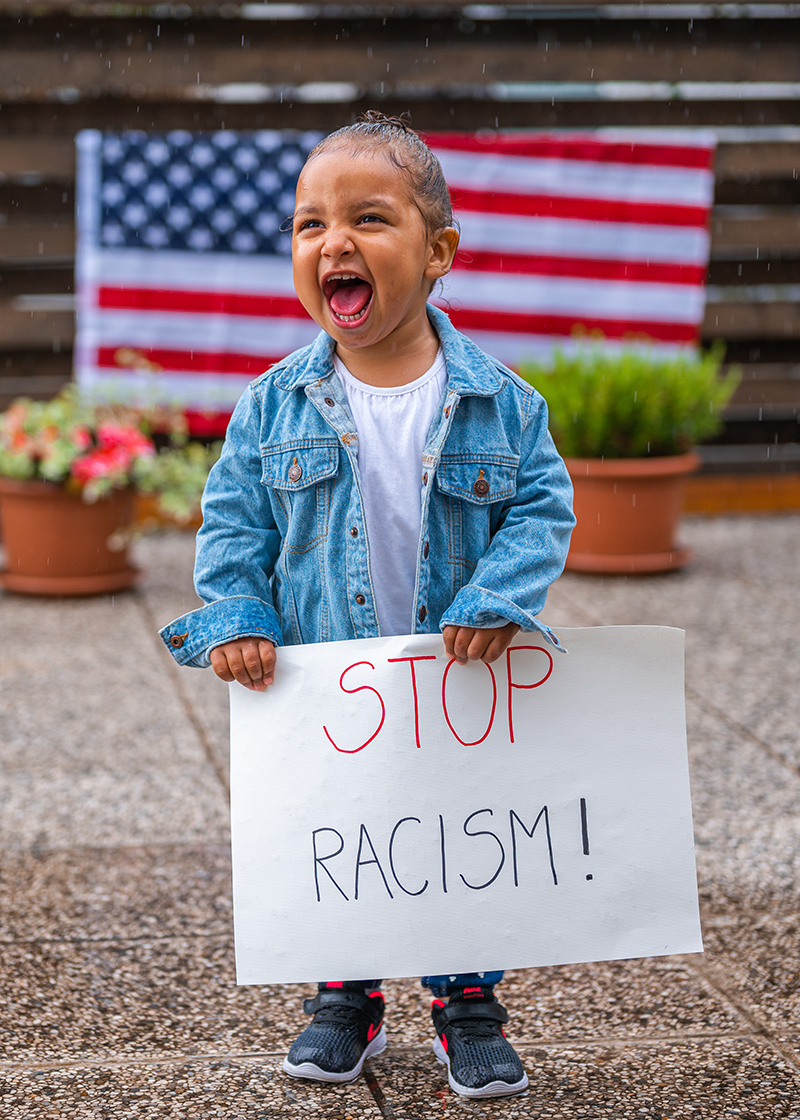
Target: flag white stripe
[181,271]
[567,237]
[513,349]
[235,334]
[217,392]
[566,178]
[559,295]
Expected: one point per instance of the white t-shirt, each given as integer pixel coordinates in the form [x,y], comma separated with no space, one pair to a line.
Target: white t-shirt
[392,426]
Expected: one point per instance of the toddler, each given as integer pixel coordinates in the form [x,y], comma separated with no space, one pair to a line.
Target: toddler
[390,478]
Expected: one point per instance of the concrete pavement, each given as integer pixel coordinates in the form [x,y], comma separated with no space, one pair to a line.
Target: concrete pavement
[117,994]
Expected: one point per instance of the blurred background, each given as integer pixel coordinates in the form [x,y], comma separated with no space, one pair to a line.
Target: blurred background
[732,70]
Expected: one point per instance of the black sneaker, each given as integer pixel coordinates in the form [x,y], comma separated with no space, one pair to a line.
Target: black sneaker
[471,1043]
[347,1028]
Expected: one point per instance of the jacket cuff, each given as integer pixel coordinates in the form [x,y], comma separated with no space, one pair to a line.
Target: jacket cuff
[191,637]
[484,609]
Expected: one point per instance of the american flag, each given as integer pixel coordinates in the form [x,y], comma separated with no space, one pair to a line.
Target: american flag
[184,273]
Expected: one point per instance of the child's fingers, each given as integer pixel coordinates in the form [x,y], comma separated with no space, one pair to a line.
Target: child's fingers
[219,663]
[500,639]
[266,652]
[462,641]
[247,661]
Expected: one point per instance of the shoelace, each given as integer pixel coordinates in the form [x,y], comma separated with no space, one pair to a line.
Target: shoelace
[341,1016]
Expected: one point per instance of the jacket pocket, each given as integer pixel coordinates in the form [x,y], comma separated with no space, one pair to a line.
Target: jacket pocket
[478,479]
[300,475]
[299,464]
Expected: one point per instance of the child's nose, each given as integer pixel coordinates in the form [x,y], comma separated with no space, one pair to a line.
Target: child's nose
[338,242]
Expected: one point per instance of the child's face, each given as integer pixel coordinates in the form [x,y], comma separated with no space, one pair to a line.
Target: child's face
[364,261]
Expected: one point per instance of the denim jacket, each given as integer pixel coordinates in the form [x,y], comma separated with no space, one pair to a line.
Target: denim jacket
[283,552]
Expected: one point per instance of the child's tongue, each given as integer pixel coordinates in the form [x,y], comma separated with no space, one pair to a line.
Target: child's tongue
[351,298]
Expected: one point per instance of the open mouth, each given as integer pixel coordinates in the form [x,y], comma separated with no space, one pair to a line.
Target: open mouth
[348,297]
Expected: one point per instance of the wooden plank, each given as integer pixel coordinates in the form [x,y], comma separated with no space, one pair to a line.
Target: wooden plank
[768,158]
[744,494]
[748,229]
[34,330]
[52,157]
[45,239]
[780,319]
[128,59]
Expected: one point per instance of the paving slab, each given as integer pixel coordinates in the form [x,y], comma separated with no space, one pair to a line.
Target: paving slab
[97,748]
[712,1080]
[233,1089]
[117,986]
[167,592]
[152,997]
[658,996]
[98,893]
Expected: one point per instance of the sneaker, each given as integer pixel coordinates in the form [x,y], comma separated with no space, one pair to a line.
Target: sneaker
[471,1043]
[347,1028]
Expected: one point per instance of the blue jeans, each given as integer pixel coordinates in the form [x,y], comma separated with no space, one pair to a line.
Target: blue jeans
[443,986]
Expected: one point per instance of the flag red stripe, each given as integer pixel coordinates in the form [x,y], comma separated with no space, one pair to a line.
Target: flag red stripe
[207,424]
[585,209]
[512,322]
[583,268]
[156,361]
[223,303]
[577,148]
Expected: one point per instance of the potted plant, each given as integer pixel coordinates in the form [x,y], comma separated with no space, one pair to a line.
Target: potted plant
[70,471]
[626,423]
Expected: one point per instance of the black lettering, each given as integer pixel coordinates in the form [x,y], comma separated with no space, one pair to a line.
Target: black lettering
[424,886]
[442,850]
[321,860]
[485,832]
[363,834]
[542,813]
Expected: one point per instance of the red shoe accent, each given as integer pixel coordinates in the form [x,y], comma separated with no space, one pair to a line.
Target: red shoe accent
[437,1003]
[335,984]
[372,1030]
[472,992]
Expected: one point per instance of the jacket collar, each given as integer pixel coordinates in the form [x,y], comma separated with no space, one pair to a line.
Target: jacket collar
[470,372]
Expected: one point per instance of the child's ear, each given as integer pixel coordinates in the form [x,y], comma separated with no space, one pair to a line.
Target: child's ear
[442,253]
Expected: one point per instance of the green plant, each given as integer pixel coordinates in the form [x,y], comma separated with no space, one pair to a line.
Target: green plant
[631,403]
[94,448]
[177,476]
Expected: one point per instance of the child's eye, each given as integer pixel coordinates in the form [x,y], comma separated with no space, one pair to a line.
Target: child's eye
[370,218]
[308,223]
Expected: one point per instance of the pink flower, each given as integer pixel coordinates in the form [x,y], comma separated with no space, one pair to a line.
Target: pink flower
[104,462]
[133,440]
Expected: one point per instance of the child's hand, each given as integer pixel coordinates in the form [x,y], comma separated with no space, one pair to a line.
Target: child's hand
[465,643]
[250,661]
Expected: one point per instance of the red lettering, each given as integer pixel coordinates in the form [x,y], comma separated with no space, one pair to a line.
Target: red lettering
[463,743]
[411,660]
[511,683]
[351,692]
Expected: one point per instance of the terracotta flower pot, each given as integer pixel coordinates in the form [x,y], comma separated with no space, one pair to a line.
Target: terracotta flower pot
[628,512]
[57,544]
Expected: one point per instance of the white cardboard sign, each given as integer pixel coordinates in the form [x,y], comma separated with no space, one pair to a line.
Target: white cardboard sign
[398,814]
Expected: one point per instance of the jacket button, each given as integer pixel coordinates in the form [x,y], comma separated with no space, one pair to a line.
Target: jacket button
[360,599]
[330,402]
[423,613]
[425,479]
[481,487]
[295,472]
[426,551]
[177,640]
[354,532]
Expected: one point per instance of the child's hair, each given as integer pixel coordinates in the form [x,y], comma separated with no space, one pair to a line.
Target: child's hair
[407,150]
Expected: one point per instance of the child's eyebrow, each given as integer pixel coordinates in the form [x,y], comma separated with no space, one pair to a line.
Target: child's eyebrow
[365,204]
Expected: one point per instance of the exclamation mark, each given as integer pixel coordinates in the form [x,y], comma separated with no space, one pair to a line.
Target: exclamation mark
[585,830]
